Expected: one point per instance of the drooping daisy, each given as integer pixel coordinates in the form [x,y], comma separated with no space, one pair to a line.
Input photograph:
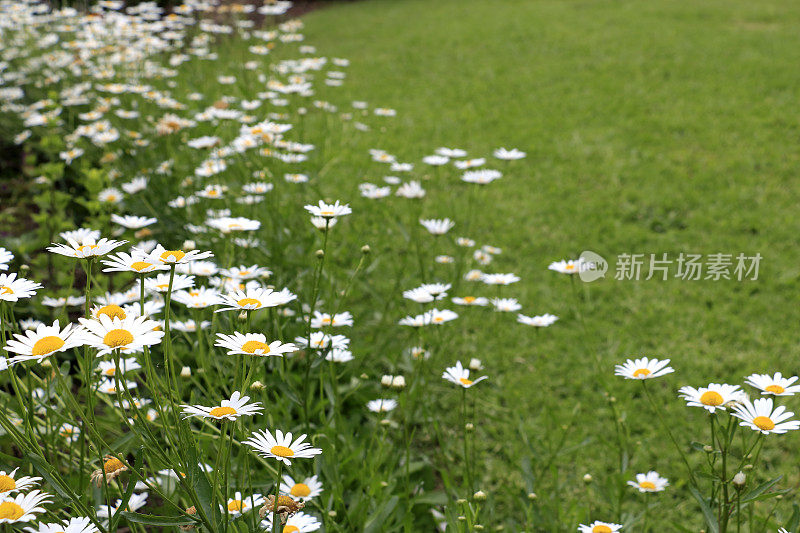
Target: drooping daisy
[643,368]
[539,321]
[715,396]
[252,344]
[304,490]
[129,335]
[5,258]
[133,222]
[325,210]
[239,505]
[760,416]
[321,320]
[253,299]
[460,376]
[137,262]
[112,468]
[599,527]
[12,288]
[649,482]
[22,507]
[776,385]
[171,257]
[73,525]
[382,405]
[227,409]
[299,522]
[9,484]
[281,446]
[437,226]
[87,248]
[43,342]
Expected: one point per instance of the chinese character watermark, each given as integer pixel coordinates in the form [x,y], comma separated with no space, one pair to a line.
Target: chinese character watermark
[663,266]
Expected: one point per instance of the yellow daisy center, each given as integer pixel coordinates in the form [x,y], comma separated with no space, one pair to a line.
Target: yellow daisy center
[4,289]
[649,485]
[138,266]
[711,398]
[248,301]
[569,267]
[469,299]
[764,422]
[300,490]
[437,319]
[47,345]
[112,311]
[85,247]
[117,338]
[172,256]
[222,411]
[162,286]
[235,505]
[290,529]
[281,451]
[602,528]
[110,371]
[641,372]
[252,346]
[465,381]
[775,389]
[11,511]
[113,465]
[326,213]
[7,483]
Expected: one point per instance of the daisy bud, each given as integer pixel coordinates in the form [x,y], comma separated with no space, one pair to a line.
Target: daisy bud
[364,376]
[748,467]
[469,426]
[46,363]
[186,372]
[461,501]
[462,518]
[475,364]
[257,386]
[708,449]
[189,245]
[332,514]
[320,254]
[242,316]
[399,382]
[386,422]
[739,480]
[384,484]
[479,496]
[587,478]
[531,496]
[477,527]
[386,381]
[365,249]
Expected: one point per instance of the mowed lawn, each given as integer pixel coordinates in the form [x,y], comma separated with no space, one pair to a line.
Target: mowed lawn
[650,127]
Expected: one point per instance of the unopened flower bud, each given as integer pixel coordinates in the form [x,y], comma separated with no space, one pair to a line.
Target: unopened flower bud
[365,249]
[186,372]
[386,381]
[587,478]
[479,496]
[469,426]
[461,501]
[475,364]
[747,467]
[242,316]
[708,449]
[189,245]
[531,496]
[384,484]
[364,376]
[332,514]
[320,254]
[477,527]
[398,382]
[257,386]
[739,480]
[462,518]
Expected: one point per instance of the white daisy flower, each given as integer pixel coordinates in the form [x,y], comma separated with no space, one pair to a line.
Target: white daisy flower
[22,507]
[133,222]
[86,249]
[715,396]
[567,267]
[252,344]
[304,490]
[322,341]
[10,484]
[227,409]
[197,298]
[471,300]
[160,283]
[339,355]
[539,321]
[649,482]
[137,262]
[643,368]
[281,446]
[499,279]
[229,224]
[73,525]
[382,405]
[5,258]
[238,505]
[299,522]
[136,502]
[109,368]
[127,335]
[502,153]
[43,342]
[437,226]
[245,272]
[256,298]
[776,385]
[506,304]
[326,210]
[170,257]
[322,320]
[12,289]
[759,416]
[599,527]
[109,386]
[460,376]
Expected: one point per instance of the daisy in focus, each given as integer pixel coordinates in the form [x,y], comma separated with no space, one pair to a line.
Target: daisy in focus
[281,446]
[760,416]
[22,507]
[715,396]
[86,249]
[44,341]
[128,335]
[304,490]
[600,527]
[9,483]
[776,385]
[238,505]
[255,298]
[12,288]
[252,344]
[649,482]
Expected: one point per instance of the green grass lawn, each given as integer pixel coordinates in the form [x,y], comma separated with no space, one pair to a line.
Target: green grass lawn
[650,127]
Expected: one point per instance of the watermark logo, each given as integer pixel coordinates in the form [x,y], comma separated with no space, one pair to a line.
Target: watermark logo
[591,266]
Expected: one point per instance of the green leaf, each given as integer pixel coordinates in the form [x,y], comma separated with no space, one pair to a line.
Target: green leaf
[41,466]
[378,518]
[759,490]
[708,513]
